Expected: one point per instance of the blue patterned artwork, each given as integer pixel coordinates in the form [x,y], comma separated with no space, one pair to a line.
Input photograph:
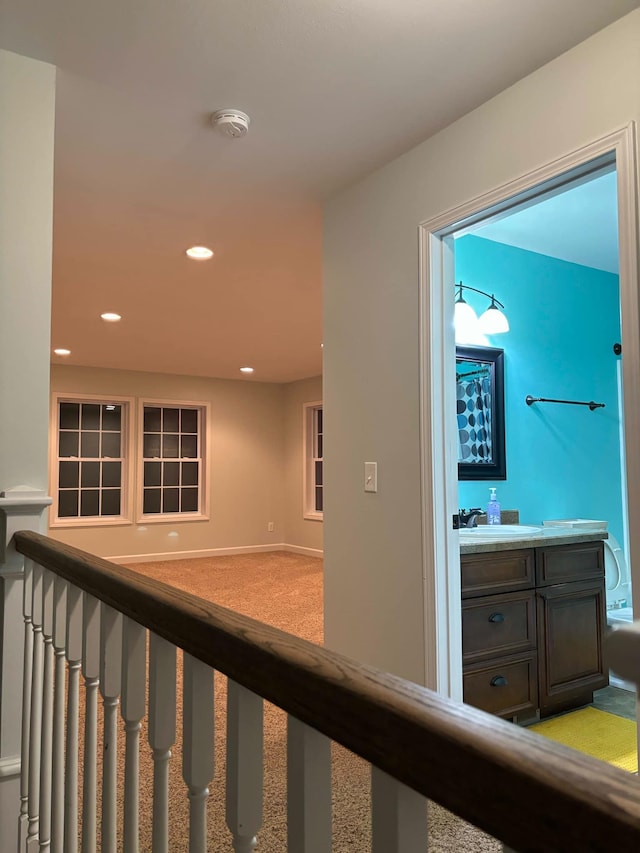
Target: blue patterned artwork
[473,387]
[480,413]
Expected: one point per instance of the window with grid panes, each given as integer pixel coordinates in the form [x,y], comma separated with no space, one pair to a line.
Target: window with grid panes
[317,459]
[90,464]
[172,448]
[314,503]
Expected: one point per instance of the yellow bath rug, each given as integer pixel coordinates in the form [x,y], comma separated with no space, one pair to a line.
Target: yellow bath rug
[597,733]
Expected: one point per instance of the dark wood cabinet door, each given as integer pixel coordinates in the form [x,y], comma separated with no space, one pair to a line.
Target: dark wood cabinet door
[496,571]
[567,563]
[498,625]
[571,619]
[505,686]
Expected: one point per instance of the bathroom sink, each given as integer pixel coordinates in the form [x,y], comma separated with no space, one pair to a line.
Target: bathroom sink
[498,531]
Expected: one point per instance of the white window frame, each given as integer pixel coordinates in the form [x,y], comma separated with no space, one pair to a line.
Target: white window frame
[309,442]
[205,444]
[127,405]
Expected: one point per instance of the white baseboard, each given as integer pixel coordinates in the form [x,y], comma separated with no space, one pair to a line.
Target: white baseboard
[300,549]
[214,552]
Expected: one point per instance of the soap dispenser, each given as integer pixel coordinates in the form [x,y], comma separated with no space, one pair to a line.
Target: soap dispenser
[493,508]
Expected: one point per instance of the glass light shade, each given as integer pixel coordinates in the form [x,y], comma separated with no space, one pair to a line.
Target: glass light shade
[493,321]
[464,313]
[465,321]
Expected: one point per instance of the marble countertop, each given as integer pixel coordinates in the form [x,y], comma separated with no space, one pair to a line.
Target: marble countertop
[547,536]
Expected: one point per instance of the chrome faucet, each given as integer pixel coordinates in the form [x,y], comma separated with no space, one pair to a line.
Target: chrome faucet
[469,519]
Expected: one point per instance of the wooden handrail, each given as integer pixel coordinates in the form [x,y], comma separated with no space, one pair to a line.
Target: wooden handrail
[531,793]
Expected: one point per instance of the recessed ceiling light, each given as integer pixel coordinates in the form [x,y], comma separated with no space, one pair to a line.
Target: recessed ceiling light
[200,253]
[111,317]
[62,351]
[246,370]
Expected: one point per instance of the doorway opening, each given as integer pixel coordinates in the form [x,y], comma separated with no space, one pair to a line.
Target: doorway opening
[451,248]
[554,264]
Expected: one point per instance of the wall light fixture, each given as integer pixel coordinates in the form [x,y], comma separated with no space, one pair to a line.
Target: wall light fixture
[471,329]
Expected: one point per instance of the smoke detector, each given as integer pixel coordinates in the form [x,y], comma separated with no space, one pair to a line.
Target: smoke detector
[232,123]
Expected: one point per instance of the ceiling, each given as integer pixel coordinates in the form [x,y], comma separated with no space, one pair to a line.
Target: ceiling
[334,89]
[579,225]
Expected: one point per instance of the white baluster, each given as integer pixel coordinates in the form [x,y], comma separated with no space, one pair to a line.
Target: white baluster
[398,816]
[110,685]
[244,766]
[46,745]
[134,666]
[308,789]
[26,705]
[197,746]
[74,658]
[162,732]
[57,772]
[91,672]
[36,710]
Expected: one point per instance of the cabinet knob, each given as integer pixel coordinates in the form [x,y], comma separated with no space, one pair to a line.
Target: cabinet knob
[499,681]
[496,617]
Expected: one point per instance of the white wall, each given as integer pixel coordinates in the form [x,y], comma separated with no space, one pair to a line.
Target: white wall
[27,103]
[300,531]
[253,450]
[373,564]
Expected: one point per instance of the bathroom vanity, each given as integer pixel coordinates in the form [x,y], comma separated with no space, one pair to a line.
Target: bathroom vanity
[533,622]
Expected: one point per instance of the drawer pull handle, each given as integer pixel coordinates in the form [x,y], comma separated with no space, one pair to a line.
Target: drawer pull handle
[499,681]
[496,617]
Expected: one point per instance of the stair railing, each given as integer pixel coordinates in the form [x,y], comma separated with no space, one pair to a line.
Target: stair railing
[89,616]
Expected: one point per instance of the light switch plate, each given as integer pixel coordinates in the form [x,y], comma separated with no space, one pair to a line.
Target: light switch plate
[371,476]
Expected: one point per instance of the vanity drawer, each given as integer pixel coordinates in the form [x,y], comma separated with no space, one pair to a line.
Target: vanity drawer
[496,571]
[566,563]
[506,687]
[498,625]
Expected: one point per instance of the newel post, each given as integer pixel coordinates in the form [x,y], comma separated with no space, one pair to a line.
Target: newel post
[21,508]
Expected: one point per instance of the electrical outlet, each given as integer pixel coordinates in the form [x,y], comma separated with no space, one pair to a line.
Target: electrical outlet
[270,527]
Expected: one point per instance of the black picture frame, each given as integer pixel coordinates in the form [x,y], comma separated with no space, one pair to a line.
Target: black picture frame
[496,469]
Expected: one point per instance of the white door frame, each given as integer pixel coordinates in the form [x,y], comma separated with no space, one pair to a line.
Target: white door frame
[439,475]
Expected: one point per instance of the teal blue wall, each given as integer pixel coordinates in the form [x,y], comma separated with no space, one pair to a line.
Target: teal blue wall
[562,461]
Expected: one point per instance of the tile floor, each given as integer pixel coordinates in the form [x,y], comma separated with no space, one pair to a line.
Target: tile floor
[616,701]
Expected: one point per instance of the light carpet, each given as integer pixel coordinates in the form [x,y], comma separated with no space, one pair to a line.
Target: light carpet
[598,733]
[283,590]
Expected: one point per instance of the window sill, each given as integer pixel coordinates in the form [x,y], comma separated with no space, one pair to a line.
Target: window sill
[106,521]
[172,518]
[313,516]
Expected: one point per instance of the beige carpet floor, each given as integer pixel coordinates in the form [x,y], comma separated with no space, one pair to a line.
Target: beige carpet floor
[284,590]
